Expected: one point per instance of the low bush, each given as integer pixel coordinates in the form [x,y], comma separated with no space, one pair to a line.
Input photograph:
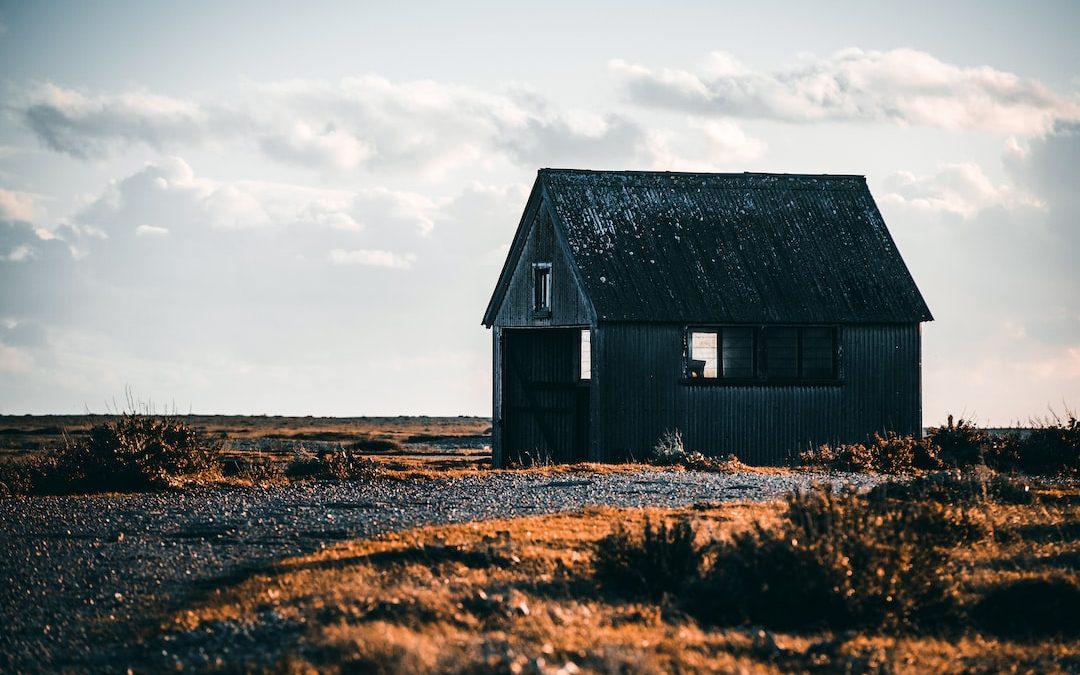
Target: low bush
[838,560]
[661,560]
[129,453]
[1050,448]
[375,444]
[342,464]
[670,451]
[889,453]
[260,470]
[1031,607]
[960,444]
[971,488]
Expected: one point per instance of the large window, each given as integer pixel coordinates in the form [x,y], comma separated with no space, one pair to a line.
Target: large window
[762,353]
[542,287]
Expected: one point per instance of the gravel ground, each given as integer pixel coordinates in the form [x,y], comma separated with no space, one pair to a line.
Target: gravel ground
[83,577]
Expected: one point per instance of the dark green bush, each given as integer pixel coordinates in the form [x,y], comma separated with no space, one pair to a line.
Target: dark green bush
[663,559]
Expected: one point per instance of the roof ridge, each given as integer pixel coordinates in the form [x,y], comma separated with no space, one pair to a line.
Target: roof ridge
[716,174]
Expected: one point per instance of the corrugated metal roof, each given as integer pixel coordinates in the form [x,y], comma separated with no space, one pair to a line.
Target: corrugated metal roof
[707,248]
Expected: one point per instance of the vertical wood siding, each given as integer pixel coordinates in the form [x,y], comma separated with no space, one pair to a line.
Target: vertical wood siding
[639,395]
[545,413]
[568,304]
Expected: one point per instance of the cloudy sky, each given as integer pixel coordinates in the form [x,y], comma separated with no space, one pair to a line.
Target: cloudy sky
[246,209]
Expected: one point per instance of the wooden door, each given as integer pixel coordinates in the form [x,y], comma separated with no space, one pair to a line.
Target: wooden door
[546,408]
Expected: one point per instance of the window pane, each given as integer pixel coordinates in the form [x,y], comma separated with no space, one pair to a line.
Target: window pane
[703,351]
[586,355]
[818,353]
[738,352]
[781,352]
[541,286]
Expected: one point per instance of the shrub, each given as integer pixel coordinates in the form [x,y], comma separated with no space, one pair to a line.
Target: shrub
[1051,447]
[15,478]
[890,453]
[256,470]
[130,453]
[662,560]
[375,444]
[959,489]
[838,560]
[845,457]
[342,464]
[669,450]
[1031,607]
[960,444]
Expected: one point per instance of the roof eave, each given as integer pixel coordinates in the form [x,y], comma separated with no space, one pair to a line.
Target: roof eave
[563,241]
[516,247]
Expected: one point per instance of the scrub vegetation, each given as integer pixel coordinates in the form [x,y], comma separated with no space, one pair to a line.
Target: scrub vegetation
[943,573]
[966,560]
[1049,447]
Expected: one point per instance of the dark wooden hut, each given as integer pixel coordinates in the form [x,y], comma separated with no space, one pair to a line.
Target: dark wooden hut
[758,314]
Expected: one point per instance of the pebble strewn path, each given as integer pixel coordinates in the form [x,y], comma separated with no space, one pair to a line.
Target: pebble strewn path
[77,573]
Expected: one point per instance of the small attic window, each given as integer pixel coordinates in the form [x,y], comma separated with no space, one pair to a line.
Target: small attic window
[542,288]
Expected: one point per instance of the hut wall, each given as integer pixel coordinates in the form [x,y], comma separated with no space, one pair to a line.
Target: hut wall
[640,392]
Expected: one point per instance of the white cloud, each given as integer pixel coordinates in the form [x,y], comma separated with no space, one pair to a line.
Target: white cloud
[706,145]
[151,231]
[18,205]
[958,188]
[20,253]
[903,86]
[169,194]
[373,258]
[422,128]
[85,125]
[331,147]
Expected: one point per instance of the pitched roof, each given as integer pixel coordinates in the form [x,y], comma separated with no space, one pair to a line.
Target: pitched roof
[750,247]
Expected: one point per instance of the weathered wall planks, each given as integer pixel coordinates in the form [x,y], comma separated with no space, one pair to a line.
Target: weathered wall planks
[639,375]
[569,306]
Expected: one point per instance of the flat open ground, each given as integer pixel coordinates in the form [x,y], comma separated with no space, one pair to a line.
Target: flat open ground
[415,572]
[443,442]
[87,579]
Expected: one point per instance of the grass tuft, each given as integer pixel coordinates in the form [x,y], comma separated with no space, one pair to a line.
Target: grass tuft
[662,559]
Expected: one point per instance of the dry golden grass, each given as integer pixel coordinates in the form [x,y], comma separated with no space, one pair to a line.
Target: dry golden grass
[519,596]
[22,434]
